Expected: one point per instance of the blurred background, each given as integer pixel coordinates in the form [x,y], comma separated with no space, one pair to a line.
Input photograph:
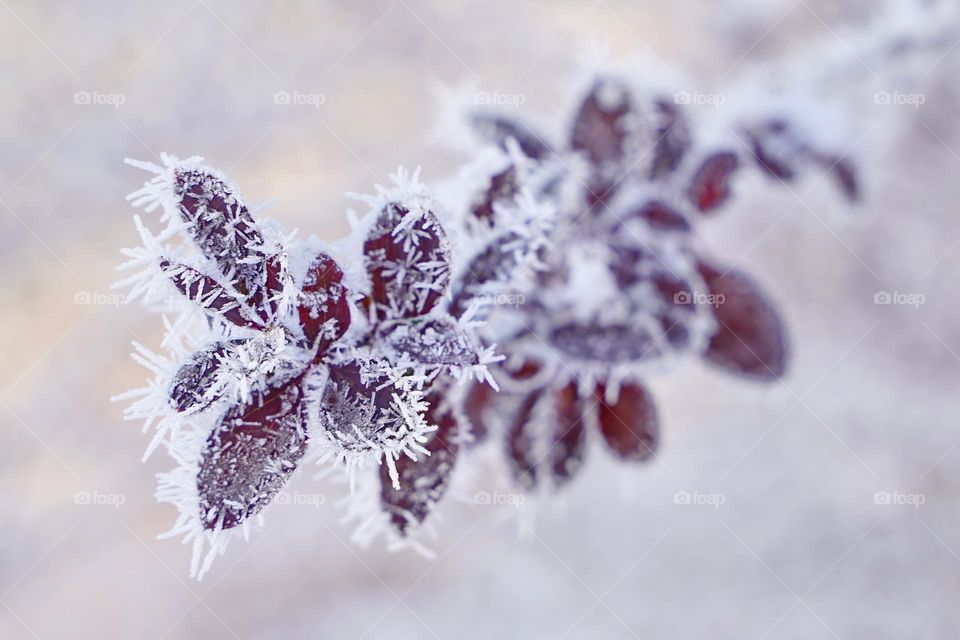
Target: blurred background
[830,500]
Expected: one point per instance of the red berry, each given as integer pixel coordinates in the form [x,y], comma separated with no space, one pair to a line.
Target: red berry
[629,426]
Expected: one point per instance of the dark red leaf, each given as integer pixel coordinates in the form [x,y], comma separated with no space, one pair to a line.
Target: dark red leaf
[210,294]
[672,139]
[477,404]
[408,261]
[629,426]
[521,442]
[251,455]
[190,390]
[554,448]
[845,175]
[222,227]
[570,434]
[499,129]
[495,265]
[658,215]
[601,127]
[611,343]
[775,149]
[502,190]
[435,341]
[424,481]
[710,187]
[627,260]
[322,306]
[750,339]
[266,299]
[356,408]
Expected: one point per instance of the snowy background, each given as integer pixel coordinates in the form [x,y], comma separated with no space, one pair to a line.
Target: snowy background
[819,534]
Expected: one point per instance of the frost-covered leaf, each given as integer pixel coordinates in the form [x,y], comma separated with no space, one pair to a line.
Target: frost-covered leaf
[629,425]
[362,411]
[569,434]
[601,131]
[422,481]
[522,442]
[490,271]
[210,295]
[222,226]
[498,129]
[477,404]
[775,149]
[672,138]
[750,339]
[710,187]
[408,260]
[502,189]
[322,306]
[434,341]
[605,343]
[547,436]
[197,383]
[266,299]
[251,454]
[844,174]
[602,125]
[658,215]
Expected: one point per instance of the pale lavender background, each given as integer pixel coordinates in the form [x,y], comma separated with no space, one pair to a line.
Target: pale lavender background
[800,549]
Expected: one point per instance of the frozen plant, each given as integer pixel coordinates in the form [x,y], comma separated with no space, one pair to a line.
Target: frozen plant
[555,273]
[277,350]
